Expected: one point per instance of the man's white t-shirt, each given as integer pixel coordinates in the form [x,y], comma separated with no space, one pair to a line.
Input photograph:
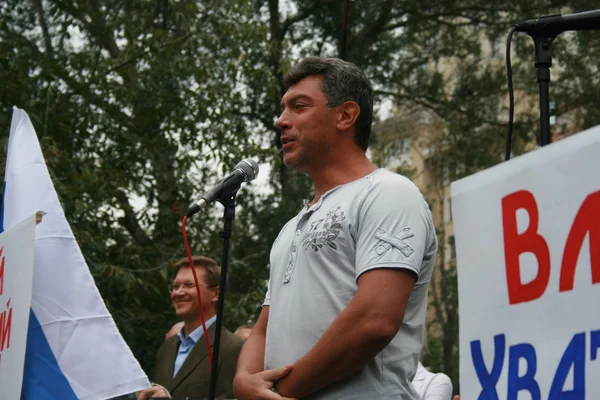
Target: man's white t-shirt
[378,221]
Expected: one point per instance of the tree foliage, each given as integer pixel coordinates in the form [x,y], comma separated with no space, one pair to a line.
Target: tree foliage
[135,103]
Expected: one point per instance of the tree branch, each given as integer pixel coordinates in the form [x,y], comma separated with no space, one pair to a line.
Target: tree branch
[82,89]
[297,18]
[263,119]
[391,27]
[413,99]
[100,31]
[44,26]
[135,57]
[384,16]
[130,220]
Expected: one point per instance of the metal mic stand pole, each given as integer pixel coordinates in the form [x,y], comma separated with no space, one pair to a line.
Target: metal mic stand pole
[228,201]
[543,62]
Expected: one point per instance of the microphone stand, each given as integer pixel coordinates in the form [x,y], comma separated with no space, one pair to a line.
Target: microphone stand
[228,201]
[543,31]
[543,62]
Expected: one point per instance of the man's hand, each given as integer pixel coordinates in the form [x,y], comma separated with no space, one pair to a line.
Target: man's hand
[154,391]
[457,397]
[259,386]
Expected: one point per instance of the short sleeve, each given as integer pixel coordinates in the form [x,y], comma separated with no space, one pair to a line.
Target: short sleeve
[440,388]
[267,301]
[394,228]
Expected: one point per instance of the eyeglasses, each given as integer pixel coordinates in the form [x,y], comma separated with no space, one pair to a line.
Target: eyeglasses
[185,286]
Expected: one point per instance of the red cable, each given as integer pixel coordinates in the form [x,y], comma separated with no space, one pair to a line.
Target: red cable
[191,260]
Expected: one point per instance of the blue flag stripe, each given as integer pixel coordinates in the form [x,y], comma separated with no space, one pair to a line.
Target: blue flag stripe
[43,378]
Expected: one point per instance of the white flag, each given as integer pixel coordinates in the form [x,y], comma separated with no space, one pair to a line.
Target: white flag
[74,350]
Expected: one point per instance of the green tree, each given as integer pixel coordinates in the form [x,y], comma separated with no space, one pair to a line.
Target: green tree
[134,103]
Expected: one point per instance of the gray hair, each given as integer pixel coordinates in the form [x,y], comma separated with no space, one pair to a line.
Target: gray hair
[342,81]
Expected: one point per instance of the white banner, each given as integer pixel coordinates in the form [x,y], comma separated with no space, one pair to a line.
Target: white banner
[528,249]
[16,277]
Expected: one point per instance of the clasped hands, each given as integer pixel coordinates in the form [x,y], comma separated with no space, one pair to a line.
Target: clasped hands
[259,386]
[154,391]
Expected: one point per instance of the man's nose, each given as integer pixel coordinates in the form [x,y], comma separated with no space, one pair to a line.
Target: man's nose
[283,122]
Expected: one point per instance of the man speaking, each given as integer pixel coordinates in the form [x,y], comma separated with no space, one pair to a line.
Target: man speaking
[344,314]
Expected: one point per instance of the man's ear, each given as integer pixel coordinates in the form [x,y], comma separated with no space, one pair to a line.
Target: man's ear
[348,114]
[215,296]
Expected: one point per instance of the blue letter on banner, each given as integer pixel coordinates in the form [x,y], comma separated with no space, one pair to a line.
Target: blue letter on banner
[573,355]
[526,382]
[488,380]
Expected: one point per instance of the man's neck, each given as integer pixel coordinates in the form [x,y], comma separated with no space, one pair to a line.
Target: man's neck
[191,326]
[342,170]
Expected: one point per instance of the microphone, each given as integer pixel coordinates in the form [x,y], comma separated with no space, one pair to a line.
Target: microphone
[245,171]
[552,25]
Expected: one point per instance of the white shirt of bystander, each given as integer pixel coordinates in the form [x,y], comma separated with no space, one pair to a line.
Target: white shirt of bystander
[432,386]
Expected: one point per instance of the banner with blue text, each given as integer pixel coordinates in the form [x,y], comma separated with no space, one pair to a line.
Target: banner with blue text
[528,251]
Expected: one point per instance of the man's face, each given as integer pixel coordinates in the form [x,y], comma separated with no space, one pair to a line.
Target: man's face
[185,299]
[307,125]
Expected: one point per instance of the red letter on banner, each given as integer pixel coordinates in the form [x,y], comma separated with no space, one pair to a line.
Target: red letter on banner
[586,221]
[5,328]
[516,244]
[1,272]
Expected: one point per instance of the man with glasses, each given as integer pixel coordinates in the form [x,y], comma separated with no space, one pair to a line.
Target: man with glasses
[182,365]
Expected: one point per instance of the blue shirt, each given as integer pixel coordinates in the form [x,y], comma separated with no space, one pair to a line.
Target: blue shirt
[187,343]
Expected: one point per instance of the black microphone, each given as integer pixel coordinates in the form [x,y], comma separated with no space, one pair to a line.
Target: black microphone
[552,25]
[245,171]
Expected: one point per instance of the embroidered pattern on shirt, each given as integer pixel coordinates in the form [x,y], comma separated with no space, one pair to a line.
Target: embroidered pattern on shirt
[393,240]
[325,231]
